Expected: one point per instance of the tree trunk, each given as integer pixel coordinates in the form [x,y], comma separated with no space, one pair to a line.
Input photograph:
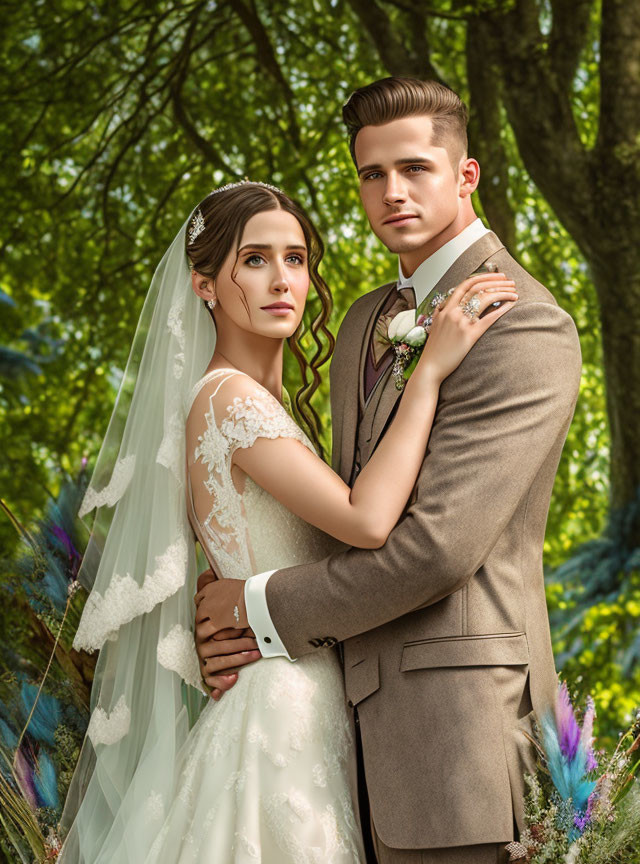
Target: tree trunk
[594,193]
[618,286]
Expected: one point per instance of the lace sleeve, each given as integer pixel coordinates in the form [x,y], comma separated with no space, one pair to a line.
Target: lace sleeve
[227,415]
[258,414]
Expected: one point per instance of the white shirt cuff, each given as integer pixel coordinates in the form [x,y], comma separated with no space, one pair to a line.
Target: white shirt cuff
[255,598]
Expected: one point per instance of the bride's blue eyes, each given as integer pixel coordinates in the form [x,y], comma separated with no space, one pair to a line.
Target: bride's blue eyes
[252,258]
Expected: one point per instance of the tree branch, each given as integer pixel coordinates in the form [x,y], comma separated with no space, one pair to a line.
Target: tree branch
[620,79]
[485,139]
[540,113]
[267,58]
[569,30]
[393,53]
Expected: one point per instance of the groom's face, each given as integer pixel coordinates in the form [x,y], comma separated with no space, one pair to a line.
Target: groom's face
[409,188]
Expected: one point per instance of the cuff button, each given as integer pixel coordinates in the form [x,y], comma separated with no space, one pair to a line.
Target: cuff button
[267,639]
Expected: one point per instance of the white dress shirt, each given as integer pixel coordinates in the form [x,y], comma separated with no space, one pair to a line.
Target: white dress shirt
[423,281]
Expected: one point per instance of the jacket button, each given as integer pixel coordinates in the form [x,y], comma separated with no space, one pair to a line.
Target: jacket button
[267,639]
[329,641]
[350,703]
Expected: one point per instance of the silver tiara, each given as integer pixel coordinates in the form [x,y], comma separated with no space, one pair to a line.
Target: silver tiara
[197,226]
[246,182]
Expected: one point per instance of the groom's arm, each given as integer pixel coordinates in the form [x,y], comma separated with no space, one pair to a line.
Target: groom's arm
[514,395]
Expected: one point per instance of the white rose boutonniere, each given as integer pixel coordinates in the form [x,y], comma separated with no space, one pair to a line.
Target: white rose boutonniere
[402,324]
[407,332]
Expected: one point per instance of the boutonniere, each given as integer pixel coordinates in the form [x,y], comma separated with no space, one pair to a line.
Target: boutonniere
[408,331]
[407,334]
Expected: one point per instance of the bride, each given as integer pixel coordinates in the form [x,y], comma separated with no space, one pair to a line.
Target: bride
[167,775]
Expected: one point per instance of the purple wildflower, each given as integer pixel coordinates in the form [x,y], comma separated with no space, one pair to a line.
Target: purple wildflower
[581,820]
[24,775]
[567,725]
[64,538]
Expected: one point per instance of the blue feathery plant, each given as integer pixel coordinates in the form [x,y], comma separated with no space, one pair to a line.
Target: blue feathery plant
[570,761]
[43,715]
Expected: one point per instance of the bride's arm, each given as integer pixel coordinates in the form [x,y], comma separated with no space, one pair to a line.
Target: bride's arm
[364,516]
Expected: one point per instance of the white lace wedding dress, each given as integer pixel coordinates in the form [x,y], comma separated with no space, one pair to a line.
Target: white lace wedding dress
[264,774]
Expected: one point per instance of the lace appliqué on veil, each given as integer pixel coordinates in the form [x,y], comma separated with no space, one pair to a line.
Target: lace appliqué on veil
[113,491]
[125,599]
[170,453]
[154,807]
[108,728]
[177,652]
[175,326]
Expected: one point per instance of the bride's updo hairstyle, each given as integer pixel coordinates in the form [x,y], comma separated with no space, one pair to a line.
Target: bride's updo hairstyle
[225,212]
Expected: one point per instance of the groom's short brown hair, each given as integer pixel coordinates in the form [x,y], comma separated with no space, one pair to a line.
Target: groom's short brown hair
[393,98]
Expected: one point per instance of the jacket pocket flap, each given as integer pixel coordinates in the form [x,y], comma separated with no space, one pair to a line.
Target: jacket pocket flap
[362,679]
[500,649]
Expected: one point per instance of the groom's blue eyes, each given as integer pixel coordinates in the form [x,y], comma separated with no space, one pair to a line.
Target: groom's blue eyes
[410,168]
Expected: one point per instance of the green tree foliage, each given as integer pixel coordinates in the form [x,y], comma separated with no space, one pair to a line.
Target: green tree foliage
[118,117]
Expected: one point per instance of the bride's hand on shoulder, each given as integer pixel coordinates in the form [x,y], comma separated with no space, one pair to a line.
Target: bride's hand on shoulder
[453,332]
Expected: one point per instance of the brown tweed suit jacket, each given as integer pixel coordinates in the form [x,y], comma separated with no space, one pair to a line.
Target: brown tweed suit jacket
[447,649]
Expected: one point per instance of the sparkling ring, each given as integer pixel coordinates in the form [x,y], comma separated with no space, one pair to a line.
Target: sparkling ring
[427,324]
[471,308]
[236,614]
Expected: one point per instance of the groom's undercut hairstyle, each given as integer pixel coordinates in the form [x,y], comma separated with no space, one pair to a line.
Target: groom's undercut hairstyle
[393,98]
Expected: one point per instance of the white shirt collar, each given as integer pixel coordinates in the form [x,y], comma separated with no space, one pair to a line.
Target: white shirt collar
[433,268]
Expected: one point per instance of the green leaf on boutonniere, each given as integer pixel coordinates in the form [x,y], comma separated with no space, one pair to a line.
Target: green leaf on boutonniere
[409,369]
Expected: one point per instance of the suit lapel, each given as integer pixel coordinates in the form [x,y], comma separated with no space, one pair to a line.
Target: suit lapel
[346,386]
[384,400]
[385,291]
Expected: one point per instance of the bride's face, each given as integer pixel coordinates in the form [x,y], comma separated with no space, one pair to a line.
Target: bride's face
[263,287]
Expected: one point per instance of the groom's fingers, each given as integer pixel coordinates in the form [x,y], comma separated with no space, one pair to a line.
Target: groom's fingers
[230,633]
[213,647]
[220,684]
[204,630]
[227,663]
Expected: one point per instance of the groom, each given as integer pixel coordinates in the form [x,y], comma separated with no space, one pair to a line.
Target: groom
[445,631]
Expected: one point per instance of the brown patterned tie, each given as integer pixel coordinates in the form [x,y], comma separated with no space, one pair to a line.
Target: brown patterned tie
[406,299]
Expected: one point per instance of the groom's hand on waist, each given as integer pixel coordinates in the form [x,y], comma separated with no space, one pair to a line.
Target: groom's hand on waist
[222,603]
[224,641]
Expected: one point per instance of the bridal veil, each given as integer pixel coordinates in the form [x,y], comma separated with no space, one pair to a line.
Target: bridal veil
[140,569]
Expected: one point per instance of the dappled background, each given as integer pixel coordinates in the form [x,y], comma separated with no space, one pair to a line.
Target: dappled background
[118,117]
